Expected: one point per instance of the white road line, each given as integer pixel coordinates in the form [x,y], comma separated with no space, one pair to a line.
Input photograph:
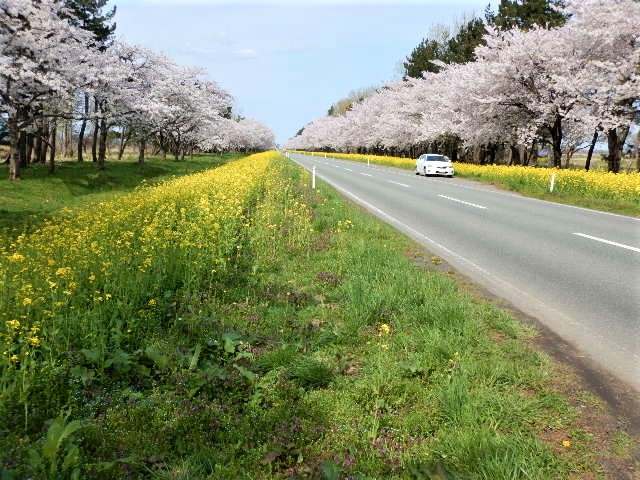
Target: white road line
[398,183]
[366,174]
[348,169]
[608,242]
[463,202]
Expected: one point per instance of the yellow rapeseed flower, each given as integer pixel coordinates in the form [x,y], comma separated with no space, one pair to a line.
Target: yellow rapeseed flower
[64,272]
[12,324]
[16,257]
[384,329]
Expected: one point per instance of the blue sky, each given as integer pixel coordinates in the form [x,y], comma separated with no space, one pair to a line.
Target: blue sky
[286,62]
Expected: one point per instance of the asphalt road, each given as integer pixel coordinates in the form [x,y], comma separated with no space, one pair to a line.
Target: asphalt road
[576,270]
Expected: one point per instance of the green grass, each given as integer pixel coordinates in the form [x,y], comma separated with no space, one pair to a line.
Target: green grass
[27,202]
[325,353]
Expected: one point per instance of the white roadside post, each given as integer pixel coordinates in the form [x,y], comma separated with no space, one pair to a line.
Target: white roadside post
[313,178]
[368,163]
[552,184]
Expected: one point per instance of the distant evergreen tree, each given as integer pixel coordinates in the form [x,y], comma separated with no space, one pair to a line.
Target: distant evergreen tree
[527,13]
[459,47]
[90,16]
[453,49]
[421,57]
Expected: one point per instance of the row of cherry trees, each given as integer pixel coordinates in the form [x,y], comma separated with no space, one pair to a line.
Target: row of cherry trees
[563,84]
[52,71]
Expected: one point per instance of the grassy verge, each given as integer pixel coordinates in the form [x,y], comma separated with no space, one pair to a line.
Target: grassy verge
[609,192]
[316,350]
[28,202]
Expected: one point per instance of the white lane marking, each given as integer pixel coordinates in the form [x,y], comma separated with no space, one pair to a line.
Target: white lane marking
[608,242]
[366,174]
[348,169]
[463,202]
[398,183]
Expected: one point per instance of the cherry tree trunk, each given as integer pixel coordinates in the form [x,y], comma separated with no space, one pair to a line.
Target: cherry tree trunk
[515,155]
[37,147]
[594,140]
[163,147]
[96,131]
[30,139]
[14,152]
[142,146]
[22,147]
[83,127]
[44,134]
[615,141]
[102,153]
[556,142]
[94,143]
[124,138]
[68,139]
[52,151]
[531,154]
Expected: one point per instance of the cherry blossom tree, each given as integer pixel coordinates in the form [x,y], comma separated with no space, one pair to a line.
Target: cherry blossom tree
[42,57]
[559,84]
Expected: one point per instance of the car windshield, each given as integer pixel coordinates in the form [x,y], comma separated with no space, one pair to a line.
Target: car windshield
[437,158]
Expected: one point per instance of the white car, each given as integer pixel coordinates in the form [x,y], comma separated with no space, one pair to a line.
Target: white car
[432,164]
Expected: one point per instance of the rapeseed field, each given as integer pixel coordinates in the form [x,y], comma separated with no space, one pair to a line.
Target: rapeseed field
[96,277]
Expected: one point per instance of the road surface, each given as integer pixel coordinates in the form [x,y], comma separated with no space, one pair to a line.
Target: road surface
[576,270]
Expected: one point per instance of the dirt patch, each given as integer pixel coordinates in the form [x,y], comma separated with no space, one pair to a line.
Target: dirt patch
[607,407]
